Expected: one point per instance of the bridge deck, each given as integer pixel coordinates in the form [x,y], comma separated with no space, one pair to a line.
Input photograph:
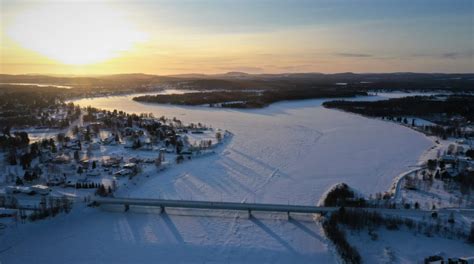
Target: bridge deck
[215,205]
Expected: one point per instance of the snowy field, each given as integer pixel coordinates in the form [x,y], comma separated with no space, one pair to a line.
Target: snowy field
[289,152]
[402,246]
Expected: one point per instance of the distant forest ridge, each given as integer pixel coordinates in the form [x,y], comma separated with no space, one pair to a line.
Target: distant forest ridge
[243,81]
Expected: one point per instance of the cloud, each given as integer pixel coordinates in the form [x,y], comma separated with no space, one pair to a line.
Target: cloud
[458,55]
[353,55]
[452,55]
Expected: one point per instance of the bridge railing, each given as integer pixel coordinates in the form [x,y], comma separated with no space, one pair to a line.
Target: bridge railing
[164,203]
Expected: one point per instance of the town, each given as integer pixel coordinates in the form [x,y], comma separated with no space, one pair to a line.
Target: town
[93,152]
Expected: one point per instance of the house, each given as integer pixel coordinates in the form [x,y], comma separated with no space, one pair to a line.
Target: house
[449,159]
[41,189]
[434,260]
[62,159]
[84,162]
[110,161]
[132,167]
[123,172]
[109,140]
[55,181]
[466,260]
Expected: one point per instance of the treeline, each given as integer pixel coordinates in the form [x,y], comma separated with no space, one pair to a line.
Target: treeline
[47,207]
[249,99]
[347,252]
[31,106]
[421,106]
[14,140]
[342,195]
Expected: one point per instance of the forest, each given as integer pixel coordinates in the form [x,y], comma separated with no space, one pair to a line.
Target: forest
[421,106]
[249,99]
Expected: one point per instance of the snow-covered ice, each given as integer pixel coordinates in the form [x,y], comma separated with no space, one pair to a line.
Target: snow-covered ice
[88,235]
[289,152]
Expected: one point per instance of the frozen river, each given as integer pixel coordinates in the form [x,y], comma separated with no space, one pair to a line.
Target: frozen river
[289,152]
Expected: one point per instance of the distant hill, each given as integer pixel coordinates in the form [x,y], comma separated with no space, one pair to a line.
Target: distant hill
[242,80]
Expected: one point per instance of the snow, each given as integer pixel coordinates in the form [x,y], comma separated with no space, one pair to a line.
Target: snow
[403,246]
[92,236]
[289,153]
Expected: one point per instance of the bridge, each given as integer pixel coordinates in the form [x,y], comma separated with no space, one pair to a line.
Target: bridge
[249,207]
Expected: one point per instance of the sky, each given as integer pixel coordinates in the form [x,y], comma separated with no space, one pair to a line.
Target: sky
[255,36]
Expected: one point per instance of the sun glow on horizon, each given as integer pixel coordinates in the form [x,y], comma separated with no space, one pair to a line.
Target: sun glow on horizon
[75,34]
[174,37]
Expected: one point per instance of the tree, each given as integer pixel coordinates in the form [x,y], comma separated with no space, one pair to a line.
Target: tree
[432,164]
[51,143]
[101,191]
[470,238]
[470,153]
[25,160]
[6,130]
[18,181]
[76,155]
[87,136]
[60,137]
[34,175]
[53,148]
[27,176]
[136,144]
[12,157]
[75,130]
[179,147]
[442,165]
[34,149]
[218,136]
[451,218]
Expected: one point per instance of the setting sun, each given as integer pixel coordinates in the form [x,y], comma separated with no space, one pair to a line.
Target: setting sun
[74,34]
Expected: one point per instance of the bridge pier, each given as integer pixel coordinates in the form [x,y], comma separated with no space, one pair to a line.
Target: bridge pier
[288,217]
[126,207]
[162,209]
[249,213]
